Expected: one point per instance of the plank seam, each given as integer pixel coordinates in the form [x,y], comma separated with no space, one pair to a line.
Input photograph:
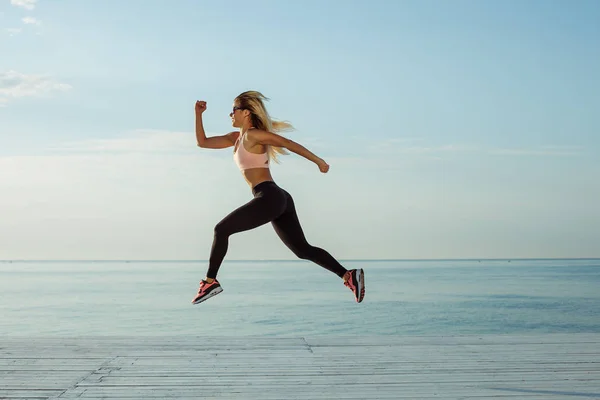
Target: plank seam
[307,345]
[84,377]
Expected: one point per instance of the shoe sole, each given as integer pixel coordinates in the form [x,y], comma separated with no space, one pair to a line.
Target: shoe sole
[360,281]
[208,296]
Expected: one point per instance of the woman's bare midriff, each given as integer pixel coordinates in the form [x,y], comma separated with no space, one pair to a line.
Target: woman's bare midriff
[254,176]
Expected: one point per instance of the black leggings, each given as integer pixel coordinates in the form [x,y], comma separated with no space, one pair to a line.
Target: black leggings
[270,204]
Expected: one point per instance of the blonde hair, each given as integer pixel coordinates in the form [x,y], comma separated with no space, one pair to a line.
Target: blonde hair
[253,101]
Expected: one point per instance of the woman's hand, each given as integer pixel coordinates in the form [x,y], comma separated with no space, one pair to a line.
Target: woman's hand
[200,107]
[323,166]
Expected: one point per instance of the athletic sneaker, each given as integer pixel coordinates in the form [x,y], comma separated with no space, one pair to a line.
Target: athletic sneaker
[356,283]
[207,290]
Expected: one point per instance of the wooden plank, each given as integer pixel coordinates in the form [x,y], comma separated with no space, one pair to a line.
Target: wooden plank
[30,394]
[466,367]
[358,396]
[118,343]
[453,340]
[335,392]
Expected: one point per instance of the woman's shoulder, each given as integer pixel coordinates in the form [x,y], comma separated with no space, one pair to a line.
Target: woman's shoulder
[234,135]
[256,136]
[255,133]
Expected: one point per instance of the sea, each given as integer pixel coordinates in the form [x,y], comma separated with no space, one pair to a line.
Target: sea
[298,298]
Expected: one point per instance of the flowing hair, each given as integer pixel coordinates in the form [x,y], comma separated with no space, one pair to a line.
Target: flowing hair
[253,101]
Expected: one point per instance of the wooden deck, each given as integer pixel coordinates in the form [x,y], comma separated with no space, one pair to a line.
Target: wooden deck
[545,367]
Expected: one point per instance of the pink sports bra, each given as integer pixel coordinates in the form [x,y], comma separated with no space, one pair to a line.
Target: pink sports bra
[246,160]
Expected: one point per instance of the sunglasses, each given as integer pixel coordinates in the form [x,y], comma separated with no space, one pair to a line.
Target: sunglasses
[236,108]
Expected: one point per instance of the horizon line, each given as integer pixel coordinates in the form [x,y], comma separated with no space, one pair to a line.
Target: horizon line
[299,260]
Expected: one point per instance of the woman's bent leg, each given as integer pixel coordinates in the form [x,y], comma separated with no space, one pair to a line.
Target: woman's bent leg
[258,211]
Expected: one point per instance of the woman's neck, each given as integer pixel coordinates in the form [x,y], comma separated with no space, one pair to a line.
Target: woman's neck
[246,128]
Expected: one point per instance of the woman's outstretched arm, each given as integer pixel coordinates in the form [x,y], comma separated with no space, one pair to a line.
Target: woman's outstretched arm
[273,139]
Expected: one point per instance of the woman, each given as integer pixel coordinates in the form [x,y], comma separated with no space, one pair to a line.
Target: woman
[255,145]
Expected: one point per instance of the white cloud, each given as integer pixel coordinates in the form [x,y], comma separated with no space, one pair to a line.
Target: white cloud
[400,146]
[547,151]
[13,31]
[404,147]
[448,148]
[125,199]
[31,21]
[139,141]
[408,139]
[15,84]
[27,4]
[153,194]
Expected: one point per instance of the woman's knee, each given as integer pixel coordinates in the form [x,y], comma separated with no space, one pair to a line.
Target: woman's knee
[221,230]
[303,252]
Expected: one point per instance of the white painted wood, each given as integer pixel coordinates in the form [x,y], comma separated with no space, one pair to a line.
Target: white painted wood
[529,367]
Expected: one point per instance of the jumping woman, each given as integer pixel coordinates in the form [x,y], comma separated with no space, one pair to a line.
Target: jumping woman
[254,146]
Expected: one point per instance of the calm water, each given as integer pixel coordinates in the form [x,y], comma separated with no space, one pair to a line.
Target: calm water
[298,298]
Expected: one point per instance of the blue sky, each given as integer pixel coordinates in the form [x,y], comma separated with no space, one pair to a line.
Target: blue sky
[453,129]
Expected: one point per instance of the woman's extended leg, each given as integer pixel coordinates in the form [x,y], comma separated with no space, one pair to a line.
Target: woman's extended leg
[288,228]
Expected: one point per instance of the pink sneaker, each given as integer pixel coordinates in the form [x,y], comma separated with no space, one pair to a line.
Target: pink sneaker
[207,290]
[356,282]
